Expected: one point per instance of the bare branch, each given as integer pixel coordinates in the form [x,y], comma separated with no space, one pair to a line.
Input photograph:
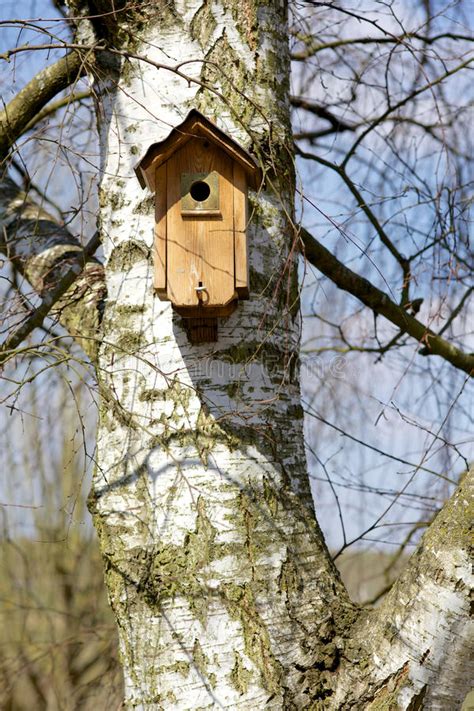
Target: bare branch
[314,46]
[50,109]
[457,310]
[391,109]
[384,238]
[322,112]
[310,411]
[381,304]
[18,113]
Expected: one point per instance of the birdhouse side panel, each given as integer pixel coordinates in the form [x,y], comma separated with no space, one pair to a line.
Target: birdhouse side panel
[200,226]
[240,232]
[159,252]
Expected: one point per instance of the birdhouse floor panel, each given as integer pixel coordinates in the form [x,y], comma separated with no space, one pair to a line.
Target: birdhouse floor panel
[206,311]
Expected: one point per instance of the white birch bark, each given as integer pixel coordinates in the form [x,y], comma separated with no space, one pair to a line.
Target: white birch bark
[414,651]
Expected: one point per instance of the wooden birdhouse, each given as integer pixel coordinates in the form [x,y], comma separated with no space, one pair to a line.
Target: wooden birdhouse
[200,177]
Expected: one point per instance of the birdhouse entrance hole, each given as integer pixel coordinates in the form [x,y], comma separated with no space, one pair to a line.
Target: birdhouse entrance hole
[200,191]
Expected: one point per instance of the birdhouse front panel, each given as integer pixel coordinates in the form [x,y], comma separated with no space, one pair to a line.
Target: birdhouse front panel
[200,226]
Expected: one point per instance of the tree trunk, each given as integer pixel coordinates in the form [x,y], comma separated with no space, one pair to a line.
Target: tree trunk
[201,496]
[413,652]
[216,569]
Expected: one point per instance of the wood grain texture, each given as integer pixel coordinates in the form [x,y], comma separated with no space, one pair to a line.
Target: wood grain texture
[240,233]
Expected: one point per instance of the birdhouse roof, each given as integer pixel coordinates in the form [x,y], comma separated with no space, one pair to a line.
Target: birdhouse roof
[195,124]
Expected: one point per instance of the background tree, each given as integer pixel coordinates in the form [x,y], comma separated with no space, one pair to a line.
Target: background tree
[223,588]
[58,647]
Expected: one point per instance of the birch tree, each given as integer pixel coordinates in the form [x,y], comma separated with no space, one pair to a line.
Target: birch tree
[223,589]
